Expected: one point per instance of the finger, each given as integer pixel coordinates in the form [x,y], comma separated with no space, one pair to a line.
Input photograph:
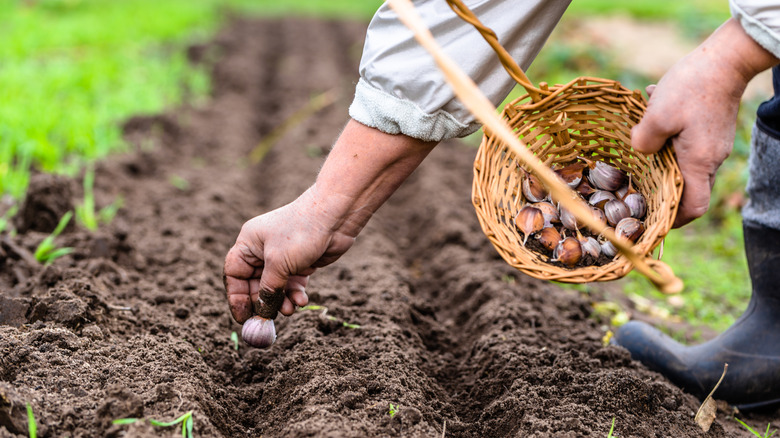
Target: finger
[238,298]
[288,308]
[273,281]
[652,132]
[295,294]
[695,198]
[296,290]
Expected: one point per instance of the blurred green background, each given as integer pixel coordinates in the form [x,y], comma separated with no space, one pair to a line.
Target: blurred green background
[72,70]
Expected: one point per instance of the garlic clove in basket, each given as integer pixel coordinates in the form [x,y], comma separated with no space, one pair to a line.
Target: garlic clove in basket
[549,237]
[629,228]
[533,189]
[615,211]
[599,215]
[636,204]
[567,219]
[584,188]
[608,249]
[600,197]
[568,252]
[606,177]
[590,246]
[529,220]
[549,211]
[572,174]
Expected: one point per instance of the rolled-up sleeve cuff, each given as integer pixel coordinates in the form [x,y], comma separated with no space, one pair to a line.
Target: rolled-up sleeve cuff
[764,35]
[392,115]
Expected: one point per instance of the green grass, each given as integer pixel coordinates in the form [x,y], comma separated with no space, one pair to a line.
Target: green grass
[72,70]
[766,433]
[185,421]
[47,251]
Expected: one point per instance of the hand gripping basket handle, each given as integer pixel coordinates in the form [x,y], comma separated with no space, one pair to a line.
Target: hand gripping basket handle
[468,92]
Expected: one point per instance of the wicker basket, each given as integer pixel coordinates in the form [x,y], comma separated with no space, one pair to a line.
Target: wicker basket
[587,117]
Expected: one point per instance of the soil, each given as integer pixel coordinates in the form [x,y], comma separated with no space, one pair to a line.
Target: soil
[423,331]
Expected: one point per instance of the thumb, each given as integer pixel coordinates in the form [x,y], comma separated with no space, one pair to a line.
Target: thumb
[652,132]
[272,289]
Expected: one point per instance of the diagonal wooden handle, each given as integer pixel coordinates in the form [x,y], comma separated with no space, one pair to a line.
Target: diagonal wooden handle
[468,92]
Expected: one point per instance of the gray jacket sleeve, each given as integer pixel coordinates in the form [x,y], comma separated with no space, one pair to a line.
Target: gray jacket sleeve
[402,91]
[761,20]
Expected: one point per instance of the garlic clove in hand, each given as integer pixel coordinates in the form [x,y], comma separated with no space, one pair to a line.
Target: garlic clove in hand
[259,332]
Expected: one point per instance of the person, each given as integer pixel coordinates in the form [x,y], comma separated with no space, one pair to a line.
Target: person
[403,108]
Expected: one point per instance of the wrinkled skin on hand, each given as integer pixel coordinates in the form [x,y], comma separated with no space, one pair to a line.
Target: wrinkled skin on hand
[695,107]
[278,251]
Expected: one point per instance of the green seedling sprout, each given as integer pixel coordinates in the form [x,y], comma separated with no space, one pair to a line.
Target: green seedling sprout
[5,220]
[47,251]
[612,429]
[765,435]
[85,213]
[329,317]
[185,420]
[32,427]
[234,338]
[393,410]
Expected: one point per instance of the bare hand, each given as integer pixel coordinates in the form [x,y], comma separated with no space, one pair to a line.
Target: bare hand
[277,251]
[695,107]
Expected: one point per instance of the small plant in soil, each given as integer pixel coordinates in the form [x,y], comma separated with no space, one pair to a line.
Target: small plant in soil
[766,433]
[32,427]
[612,429]
[329,317]
[47,251]
[185,420]
[234,338]
[393,410]
[85,212]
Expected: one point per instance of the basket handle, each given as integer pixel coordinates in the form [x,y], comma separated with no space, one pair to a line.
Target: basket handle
[468,92]
[506,59]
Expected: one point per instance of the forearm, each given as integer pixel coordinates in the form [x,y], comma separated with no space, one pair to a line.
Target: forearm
[738,56]
[364,168]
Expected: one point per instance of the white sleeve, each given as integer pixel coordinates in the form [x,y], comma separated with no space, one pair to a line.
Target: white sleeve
[761,20]
[402,91]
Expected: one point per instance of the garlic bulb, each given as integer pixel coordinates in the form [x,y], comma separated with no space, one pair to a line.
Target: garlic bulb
[568,220]
[259,332]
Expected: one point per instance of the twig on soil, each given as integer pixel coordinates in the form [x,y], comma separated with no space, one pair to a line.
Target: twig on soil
[122,308]
[314,104]
[444,429]
[22,253]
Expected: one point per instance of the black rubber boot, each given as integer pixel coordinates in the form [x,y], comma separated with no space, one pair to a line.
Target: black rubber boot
[751,346]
